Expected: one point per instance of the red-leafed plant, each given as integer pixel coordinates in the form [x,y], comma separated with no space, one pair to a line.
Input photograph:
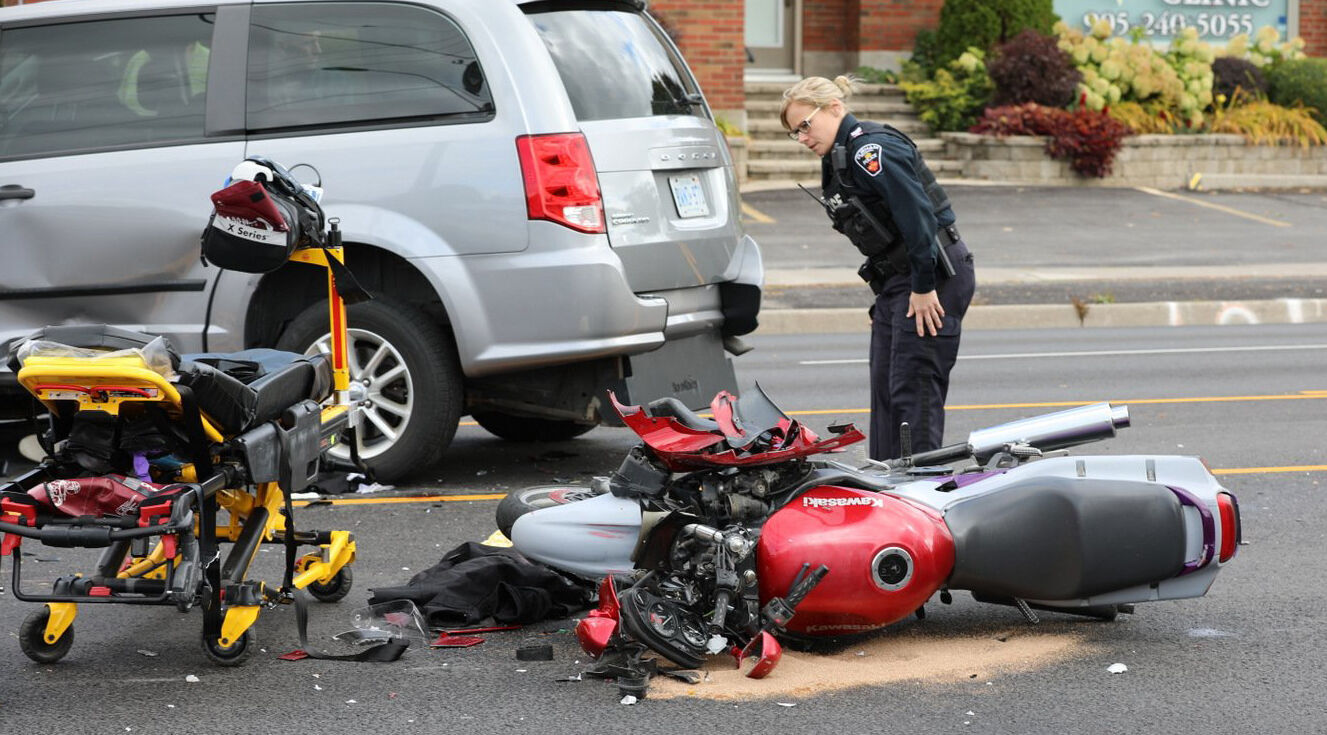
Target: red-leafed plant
[1031,67]
[1088,139]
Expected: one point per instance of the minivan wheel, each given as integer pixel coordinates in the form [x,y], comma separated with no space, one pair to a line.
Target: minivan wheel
[404,368]
[527,428]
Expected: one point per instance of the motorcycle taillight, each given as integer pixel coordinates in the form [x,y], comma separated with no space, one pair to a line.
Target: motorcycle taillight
[1230,525]
[560,181]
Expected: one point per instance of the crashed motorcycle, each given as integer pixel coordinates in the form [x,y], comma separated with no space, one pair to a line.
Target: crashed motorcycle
[725,534]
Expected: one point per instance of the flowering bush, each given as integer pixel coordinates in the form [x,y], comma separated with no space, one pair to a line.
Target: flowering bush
[1088,139]
[1265,49]
[1032,68]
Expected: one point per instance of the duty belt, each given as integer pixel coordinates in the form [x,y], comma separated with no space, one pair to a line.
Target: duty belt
[949,235]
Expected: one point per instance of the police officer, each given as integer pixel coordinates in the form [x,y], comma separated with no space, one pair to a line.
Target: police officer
[880,194]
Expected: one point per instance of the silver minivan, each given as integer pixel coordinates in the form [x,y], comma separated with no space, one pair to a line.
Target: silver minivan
[535,193]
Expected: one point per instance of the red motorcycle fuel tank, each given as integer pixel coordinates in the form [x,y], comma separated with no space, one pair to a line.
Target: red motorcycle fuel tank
[886,557]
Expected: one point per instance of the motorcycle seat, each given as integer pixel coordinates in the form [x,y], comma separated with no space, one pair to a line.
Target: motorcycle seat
[671,407]
[1061,538]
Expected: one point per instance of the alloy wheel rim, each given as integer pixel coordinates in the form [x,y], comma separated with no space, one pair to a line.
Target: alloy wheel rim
[381,381]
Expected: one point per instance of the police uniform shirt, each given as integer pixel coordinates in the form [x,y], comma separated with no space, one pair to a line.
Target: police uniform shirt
[881,167]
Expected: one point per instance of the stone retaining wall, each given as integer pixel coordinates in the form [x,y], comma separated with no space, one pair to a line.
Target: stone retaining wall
[1160,161]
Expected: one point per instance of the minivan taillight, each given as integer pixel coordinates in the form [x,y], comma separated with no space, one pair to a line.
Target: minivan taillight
[560,182]
[1228,508]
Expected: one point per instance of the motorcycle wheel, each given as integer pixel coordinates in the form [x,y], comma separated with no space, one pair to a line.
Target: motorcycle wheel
[519,502]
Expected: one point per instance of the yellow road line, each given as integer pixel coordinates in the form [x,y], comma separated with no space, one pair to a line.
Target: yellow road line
[1261,470]
[411,499]
[1305,395]
[1217,207]
[756,214]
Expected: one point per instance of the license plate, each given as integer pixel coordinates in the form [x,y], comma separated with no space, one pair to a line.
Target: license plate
[689,196]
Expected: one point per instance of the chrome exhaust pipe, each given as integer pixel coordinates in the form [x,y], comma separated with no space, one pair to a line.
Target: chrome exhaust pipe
[1047,432]
[1052,431]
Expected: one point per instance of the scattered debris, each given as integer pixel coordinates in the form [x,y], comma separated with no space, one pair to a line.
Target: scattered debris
[577,677]
[317,688]
[149,654]
[629,699]
[787,704]
[351,701]
[192,679]
[304,496]
[1117,668]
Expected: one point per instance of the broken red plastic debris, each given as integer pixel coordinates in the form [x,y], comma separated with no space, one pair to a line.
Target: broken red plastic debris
[767,650]
[456,641]
[294,655]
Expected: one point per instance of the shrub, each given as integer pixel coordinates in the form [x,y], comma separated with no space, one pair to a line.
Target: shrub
[1261,122]
[954,98]
[1300,82]
[1144,119]
[1230,74]
[1031,67]
[872,75]
[926,52]
[984,23]
[1086,138]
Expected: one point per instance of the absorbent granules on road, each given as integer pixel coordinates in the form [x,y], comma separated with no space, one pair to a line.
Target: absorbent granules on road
[907,655]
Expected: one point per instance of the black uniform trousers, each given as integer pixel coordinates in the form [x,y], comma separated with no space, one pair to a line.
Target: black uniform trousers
[910,374]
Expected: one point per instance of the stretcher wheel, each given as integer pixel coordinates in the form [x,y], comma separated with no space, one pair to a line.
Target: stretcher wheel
[32,638]
[232,655]
[334,590]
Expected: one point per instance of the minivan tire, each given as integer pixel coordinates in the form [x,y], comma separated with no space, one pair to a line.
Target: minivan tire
[528,428]
[431,386]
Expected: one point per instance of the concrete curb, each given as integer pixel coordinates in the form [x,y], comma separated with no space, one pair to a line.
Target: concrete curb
[1042,316]
[1207,182]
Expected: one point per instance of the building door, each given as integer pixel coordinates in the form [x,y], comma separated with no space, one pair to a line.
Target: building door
[770,35]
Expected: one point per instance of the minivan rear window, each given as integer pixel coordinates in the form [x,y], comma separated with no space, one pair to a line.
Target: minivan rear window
[344,62]
[614,62]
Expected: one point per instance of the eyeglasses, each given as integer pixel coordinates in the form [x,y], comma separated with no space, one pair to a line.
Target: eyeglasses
[803,127]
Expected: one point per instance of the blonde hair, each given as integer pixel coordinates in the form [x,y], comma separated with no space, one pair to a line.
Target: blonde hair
[817,92]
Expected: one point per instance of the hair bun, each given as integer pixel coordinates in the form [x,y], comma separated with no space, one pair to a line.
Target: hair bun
[846,83]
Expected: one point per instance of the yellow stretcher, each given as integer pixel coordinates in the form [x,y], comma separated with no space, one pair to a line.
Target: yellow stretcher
[239,451]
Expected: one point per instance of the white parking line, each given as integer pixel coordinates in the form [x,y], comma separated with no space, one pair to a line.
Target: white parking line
[1099,353]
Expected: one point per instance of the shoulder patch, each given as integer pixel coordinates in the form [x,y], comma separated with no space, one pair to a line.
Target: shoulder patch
[868,157]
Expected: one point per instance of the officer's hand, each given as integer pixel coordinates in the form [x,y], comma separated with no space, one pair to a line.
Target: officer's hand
[926,308]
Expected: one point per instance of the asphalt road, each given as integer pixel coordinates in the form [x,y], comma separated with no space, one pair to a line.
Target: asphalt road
[1151,245]
[1067,226]
[1245,658]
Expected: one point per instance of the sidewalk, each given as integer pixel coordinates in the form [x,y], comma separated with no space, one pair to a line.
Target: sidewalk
[830,298]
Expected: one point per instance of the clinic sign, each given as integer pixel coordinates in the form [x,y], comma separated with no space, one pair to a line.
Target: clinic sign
[1160,20]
